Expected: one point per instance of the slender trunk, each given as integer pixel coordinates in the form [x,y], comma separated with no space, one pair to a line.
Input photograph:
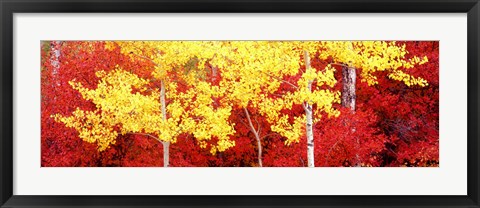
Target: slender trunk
[349,76]
[166,153]
[310,155]
[309,115]
[55,60]
[166,145]
[214,74]
[255,132]
[55,47]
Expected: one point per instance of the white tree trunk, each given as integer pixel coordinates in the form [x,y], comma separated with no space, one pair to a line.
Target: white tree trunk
[257,137]
[166,153]
[310,143]
[309,115]
[166,145]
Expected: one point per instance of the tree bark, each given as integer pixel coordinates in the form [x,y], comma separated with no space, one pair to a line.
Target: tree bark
[166,144]
[349,97]
[310,143]
[349,77]
[214,74]
[166,154]
[55,60]
[257,137]
[309,115]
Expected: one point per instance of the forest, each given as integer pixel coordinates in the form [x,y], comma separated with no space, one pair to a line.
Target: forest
[239,103]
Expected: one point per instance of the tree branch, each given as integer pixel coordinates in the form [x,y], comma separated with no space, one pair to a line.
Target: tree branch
[148,135]
[281,80]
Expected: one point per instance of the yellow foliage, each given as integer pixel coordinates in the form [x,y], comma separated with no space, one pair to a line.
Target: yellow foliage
[118,106]
[251,75]
[373,56]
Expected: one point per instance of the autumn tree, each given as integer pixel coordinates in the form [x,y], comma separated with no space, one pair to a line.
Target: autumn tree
[408,116]
[370,57]
[129,104]
[252,71]
[79,60]
[300,91]
[227,103]
[251,75]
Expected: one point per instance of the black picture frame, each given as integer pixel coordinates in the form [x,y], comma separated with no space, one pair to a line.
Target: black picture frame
[9,7]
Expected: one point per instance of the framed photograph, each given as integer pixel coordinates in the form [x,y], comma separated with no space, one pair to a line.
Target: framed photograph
[212,103]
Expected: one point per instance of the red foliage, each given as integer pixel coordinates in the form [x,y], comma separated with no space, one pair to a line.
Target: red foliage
[408,116]
[61,146]
[393,125]
[349,140]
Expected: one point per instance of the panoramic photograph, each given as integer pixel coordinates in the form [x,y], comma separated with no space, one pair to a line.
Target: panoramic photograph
[239,103]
